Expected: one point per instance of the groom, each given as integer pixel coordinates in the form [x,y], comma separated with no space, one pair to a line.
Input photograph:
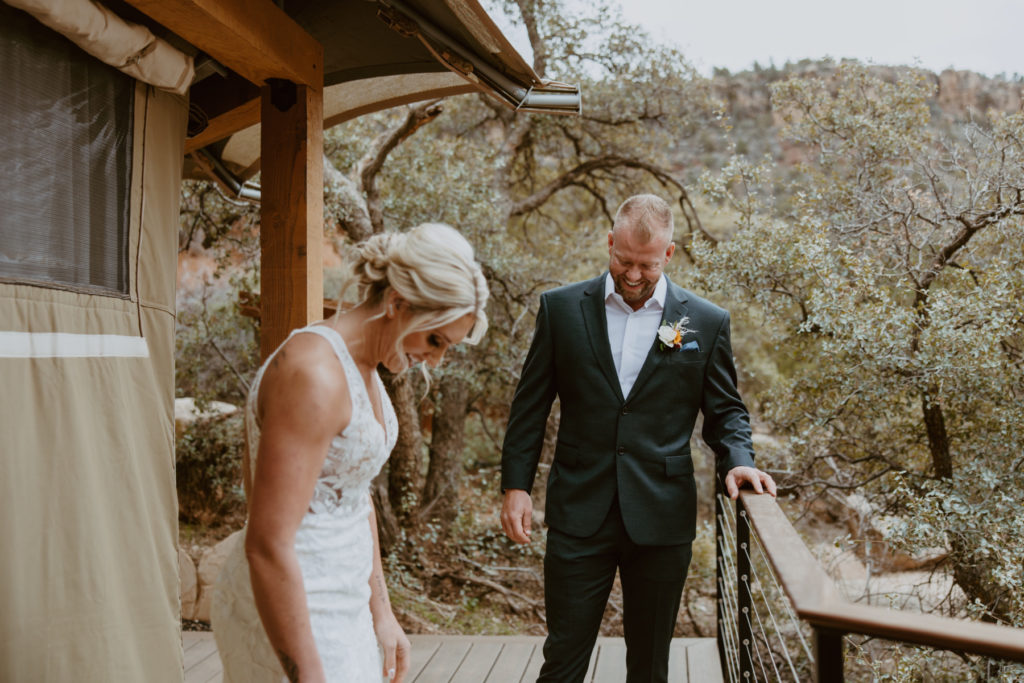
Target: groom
[621,492]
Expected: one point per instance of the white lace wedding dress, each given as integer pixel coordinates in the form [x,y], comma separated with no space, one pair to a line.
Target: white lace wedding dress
[333,543]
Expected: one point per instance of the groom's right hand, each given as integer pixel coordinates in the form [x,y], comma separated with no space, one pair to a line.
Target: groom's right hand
[517,515]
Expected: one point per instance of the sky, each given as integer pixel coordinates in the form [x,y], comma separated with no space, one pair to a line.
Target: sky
[986,36]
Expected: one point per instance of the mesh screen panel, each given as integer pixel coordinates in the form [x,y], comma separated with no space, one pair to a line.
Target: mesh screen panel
[65,161]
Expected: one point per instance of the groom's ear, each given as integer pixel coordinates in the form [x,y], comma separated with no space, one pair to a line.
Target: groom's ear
[671,250]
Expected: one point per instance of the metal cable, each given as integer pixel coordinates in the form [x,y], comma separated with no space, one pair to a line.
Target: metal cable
[757,650]
[789,607]
[760,624]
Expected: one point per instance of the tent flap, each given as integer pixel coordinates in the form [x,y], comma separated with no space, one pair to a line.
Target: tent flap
[129,47]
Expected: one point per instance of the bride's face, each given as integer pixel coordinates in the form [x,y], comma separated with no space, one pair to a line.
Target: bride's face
[428,346]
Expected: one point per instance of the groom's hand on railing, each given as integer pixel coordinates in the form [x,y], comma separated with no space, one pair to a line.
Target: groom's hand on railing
[517,515]
[758,480]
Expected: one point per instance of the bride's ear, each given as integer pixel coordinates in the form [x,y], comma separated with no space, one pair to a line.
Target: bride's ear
[393,304]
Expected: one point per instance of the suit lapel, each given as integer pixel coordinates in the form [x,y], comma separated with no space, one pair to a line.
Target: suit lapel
[596,320]
[675,309]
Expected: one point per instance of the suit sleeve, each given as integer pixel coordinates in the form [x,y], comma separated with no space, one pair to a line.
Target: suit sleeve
[726,420]
[531,404]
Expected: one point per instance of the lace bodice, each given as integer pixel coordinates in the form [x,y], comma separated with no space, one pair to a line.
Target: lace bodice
[355,456]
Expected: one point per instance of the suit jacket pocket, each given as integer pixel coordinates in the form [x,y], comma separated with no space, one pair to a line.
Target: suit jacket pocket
[678,465]
[686,357]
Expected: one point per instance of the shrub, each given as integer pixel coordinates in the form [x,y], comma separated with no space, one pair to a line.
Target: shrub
[209,470]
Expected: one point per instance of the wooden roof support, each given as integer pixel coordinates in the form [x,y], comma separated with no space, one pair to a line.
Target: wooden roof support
[254,38]
[291,218]
[257,40]
[226,124]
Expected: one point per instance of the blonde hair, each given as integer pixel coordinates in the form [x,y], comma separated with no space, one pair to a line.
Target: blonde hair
[647,215]
[432,268]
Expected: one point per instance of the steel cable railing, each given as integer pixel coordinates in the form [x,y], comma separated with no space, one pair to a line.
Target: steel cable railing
[756,640]
[780,618]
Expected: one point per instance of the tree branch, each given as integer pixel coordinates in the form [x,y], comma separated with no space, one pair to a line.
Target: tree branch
[528,10]
[367,168]
[344,201]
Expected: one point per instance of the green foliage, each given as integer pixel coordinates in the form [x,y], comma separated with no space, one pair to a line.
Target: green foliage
[208,470]
[217,349]
[888,276]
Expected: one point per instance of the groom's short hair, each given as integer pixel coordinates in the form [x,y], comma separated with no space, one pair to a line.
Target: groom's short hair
[647,214]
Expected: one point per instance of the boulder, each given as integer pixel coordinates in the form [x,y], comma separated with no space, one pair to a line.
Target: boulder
[186,412]
[870,530]
[209,566]
[188,584]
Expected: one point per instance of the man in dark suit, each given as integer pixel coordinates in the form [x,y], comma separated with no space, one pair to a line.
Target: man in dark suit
[632,358]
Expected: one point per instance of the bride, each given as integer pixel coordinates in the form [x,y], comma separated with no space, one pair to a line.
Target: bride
[304,598]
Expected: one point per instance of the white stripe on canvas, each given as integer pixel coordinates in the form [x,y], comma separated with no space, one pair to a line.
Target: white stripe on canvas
[63,345]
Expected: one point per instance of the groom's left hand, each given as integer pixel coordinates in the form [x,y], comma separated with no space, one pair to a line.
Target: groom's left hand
[738,476]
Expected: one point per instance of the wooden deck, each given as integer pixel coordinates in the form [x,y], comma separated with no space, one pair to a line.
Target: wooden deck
[493,659]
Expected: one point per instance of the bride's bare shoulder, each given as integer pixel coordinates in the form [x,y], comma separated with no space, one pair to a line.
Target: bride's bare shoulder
[305,375]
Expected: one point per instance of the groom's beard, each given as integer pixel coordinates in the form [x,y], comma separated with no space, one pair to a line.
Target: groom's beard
[634,295]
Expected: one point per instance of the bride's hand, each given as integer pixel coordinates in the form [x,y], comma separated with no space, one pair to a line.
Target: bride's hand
[396,647]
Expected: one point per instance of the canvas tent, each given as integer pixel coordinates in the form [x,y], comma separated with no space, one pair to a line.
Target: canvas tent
[102,103]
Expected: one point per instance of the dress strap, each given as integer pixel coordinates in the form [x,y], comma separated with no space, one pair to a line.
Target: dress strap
[357,387]
[333,338]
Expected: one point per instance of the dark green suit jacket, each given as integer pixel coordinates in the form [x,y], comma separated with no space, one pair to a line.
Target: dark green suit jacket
[637,446]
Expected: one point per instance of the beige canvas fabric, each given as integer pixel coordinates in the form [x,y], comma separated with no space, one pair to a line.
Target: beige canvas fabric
[88,512]
[347,100]
[126,46]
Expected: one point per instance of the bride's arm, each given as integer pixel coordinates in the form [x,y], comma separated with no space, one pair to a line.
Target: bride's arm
[390,635]
[299,405]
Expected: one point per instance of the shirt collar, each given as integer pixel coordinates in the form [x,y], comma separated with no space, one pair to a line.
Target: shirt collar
[660,291]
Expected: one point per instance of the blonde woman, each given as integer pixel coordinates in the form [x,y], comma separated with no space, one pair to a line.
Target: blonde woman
[304,598]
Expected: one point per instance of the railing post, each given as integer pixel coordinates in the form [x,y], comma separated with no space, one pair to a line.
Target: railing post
[743,603]
[720,578]
[828,656]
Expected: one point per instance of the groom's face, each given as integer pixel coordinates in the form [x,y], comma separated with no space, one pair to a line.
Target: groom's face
[635,265]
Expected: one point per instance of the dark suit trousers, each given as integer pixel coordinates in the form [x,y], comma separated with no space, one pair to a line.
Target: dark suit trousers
[578,577]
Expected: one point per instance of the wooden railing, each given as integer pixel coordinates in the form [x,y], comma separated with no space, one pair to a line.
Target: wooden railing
[815,601]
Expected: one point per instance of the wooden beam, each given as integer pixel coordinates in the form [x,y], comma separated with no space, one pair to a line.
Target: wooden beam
[225,125]
[254,38]
[291,218]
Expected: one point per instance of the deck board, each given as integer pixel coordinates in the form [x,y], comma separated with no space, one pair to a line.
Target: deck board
[511,662]
[494,659]
[610,660]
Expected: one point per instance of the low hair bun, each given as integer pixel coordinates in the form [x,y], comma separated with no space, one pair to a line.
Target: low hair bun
[431,267]
[371,259]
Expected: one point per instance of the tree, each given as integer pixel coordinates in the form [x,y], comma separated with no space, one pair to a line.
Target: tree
[535,194]
[890,281]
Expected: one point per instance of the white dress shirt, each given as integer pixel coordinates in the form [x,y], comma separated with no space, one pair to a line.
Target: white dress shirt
[630,332]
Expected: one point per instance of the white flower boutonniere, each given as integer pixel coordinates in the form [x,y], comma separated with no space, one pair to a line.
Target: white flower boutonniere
[670,335]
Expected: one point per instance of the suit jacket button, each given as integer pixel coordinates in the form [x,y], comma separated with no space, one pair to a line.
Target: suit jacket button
[622,450]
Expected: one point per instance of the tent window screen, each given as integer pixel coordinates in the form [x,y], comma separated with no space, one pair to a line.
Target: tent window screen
[65,166]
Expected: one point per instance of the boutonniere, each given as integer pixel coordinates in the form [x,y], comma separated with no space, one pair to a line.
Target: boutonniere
[670,335]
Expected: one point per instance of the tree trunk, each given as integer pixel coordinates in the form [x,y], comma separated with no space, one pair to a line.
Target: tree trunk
[938,439]
[972,574]
[441,491]
[404,464]
[388,529]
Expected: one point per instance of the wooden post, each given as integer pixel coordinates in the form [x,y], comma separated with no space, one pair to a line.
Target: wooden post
[828,655]
[291,211]
[720,578]
[744,604]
